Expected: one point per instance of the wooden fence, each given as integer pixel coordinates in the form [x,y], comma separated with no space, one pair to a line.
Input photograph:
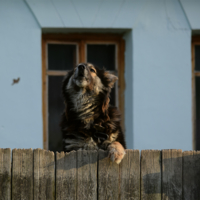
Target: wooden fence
[84,175]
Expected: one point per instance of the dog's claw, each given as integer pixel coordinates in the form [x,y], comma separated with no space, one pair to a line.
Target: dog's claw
[112,157]
[116,152]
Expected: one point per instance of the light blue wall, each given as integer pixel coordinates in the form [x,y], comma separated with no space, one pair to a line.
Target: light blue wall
[162,81]
[129,100]
[191,9]
[158,109]
[20,56]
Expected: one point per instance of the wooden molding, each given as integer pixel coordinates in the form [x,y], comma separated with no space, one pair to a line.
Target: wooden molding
[81,40]
[195,41]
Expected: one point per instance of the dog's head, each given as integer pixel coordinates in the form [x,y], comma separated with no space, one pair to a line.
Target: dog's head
[87,79]
[87,76]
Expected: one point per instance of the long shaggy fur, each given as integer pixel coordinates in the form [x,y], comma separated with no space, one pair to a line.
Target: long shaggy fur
[89,121]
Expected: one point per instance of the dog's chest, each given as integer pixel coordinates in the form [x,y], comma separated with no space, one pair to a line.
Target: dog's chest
[83,104]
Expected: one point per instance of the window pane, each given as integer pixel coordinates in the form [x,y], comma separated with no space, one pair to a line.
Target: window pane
[56,107]
[101,55]
[61,56]
[197,57]
[197,113]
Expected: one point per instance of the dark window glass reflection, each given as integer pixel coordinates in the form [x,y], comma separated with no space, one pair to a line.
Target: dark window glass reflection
[61,56]
[102,55]
[197,57]
[55,107]
[197,113]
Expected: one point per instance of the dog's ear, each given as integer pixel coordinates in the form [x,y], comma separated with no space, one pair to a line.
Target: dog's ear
[111,79]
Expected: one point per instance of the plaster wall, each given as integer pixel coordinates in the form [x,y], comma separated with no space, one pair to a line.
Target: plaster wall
[158,109]
[162,78]
[191,9]
[20,57]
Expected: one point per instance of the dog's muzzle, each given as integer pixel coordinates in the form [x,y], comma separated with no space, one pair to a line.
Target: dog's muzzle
[81,70]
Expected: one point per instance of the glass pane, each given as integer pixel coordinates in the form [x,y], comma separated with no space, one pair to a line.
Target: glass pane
[197,57]
[197,113]
[101,55]
[55,107]
[61,56]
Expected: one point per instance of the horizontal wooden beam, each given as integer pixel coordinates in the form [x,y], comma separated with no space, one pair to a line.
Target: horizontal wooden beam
[56,73]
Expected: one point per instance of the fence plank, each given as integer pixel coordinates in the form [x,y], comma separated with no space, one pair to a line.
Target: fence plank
[22,174]
[108,177]
[86,175]
[5,174]
[130,176]
[66,175]
[44,175]
[150,175]
[191,175]
[171,174]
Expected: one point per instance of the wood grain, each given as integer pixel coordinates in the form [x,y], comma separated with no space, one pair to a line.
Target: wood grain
[66,180]
[191,175]
[130,176]
[172,174]
[84,36]
[22,174]
[86,175]
[5,174]
[150,175]
[44,175]
[108,177]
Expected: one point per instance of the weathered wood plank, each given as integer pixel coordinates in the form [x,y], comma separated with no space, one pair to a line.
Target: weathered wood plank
[22,174]
[172,174]
[150,175]
[108,177]
[5,174]
[44,175]
[66,175]
[130,176]
[86,175]
[191,175]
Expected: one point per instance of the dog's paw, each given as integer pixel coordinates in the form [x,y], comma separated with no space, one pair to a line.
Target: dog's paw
[116,152]
[90,145]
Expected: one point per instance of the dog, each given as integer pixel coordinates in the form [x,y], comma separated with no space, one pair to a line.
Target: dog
[89,122]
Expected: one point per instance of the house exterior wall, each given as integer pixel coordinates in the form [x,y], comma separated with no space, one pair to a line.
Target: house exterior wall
[158,95]
[20,56]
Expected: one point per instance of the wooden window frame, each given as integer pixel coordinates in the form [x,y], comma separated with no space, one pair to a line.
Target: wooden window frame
[195,41]
[82,40]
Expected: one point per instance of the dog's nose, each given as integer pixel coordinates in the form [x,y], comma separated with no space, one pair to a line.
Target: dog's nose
[82,67]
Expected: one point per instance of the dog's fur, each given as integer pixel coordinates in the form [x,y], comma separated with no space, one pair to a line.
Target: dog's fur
[89,122]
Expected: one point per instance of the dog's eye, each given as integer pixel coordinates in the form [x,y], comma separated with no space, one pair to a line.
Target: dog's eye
[92,70]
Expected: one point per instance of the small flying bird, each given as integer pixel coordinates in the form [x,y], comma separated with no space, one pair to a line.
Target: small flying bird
[15,81]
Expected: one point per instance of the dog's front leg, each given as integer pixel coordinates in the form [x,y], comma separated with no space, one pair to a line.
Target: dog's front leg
[116,152]
[90,144]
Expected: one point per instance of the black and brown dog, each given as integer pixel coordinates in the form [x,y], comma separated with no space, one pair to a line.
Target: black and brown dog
[89,122]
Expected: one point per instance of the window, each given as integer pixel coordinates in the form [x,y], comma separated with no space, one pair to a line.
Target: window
[61,52]
[196,91]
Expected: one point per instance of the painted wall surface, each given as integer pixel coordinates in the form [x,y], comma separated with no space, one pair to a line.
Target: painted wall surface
[158,110]
[20,56]
[162,83]
[191,9]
